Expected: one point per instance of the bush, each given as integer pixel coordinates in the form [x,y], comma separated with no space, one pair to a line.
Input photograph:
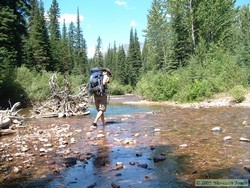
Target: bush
[217,71]
[238,93]
[157,86]
[36,85]
[116,88]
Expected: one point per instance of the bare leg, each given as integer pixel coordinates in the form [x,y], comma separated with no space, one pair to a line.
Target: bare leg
[100,114]
[102,119]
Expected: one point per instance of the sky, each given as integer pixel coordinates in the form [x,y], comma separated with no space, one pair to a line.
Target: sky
[111,20]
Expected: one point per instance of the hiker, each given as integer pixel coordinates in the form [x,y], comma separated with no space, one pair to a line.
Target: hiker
[101,100]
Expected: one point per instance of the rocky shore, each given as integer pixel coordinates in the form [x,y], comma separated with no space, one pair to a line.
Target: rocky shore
[220,100]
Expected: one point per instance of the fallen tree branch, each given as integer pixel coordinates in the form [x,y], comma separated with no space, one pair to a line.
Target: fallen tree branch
[61,103]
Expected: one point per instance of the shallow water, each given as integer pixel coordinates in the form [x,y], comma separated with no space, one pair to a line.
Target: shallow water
[133,136]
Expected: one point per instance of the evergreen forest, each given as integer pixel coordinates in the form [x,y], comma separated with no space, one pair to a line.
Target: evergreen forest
[193,49]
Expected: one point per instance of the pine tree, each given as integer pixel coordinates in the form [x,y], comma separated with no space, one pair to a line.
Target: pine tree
[182,29]
[146,64]
[13,29]
[158,34]
[122,73]
[137,57]
[129,66]
[54,30]
[37,45]
[134,58]
[215,19]
[80,49]
[111,61]
[242,30]
[71,45]
[65,52]
[98,57]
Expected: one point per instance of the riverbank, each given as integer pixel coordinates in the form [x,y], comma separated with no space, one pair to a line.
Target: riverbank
[220,100]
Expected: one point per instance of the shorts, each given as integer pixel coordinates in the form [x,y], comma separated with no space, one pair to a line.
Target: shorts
[101,102]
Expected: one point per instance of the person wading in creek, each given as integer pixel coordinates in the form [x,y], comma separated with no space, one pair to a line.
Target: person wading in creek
[101,99]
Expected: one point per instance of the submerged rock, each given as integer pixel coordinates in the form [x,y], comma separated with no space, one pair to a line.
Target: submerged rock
[114,185]
[247,168]
[132,163]
[138,154]
[159,158]
[92,185]
[143,165]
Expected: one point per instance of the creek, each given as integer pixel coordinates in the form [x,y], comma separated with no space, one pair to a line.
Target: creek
[122,153]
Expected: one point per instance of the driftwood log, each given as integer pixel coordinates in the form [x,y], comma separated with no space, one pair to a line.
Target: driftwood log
[10,118]
[61,102]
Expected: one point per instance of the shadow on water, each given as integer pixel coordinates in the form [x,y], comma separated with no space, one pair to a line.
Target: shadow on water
[137,171]
[183,142]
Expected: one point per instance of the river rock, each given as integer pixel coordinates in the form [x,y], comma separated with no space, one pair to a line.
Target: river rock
[100,136]
[244,139]
[92,185]
[143,165]
[129,141]
[159,158]
[157,130]
[89,134]
[152,147]
[61,115]
[183,145]
[138,154]
[71,161]
[119,165]
[244,123]
[227,138]
[15,169]
[62,146]
[132,163]
[216,129]
[42,150]
[24,149]
[72,140]
[114,185]
[47,145]
[136,134]
[247,168]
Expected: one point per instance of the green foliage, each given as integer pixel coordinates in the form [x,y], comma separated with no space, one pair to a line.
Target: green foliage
[218,72]
[36,85]
[238,93]
[116,88]
[157,86]
[76,81]
[134,62]
[37,52]
[243,35]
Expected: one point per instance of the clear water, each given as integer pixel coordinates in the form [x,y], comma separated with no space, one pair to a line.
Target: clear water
[123,110]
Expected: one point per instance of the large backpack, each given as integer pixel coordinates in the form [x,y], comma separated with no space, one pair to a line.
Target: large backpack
[96,82]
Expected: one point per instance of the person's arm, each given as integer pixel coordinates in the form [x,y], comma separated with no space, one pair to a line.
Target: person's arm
[105,80]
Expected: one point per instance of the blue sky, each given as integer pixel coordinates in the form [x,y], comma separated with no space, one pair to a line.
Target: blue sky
[109,19]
